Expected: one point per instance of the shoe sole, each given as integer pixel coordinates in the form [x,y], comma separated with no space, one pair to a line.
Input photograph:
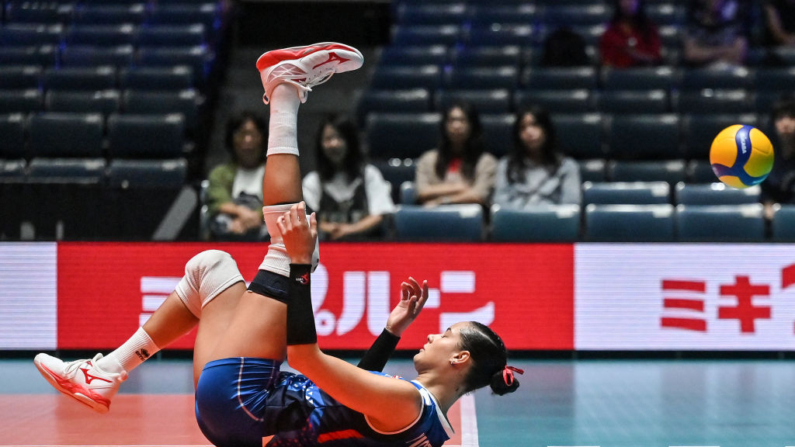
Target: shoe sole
[274,57]
[82,398]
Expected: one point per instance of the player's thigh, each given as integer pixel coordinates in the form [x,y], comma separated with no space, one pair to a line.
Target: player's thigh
[216,319]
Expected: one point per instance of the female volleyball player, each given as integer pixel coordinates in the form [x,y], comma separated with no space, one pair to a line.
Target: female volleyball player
[242,399]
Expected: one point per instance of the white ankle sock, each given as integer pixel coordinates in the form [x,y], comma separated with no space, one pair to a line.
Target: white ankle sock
[283,126]
[131,354]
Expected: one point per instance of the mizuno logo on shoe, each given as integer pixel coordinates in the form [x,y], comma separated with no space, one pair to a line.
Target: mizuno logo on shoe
[90,378]
[332,57]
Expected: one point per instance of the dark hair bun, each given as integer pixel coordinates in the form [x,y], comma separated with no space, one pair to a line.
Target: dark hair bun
[499,387]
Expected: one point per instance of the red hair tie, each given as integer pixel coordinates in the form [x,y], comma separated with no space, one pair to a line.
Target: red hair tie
[507,374]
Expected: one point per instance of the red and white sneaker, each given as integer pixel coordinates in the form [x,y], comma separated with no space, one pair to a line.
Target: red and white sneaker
[307,66]
[82,380]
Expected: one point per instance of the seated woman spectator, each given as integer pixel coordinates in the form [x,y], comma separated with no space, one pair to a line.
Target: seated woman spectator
[459,171]
[780,21]
[715,34]
[779,186]
[234,197]
[631,40]
[349,195]
[534,172]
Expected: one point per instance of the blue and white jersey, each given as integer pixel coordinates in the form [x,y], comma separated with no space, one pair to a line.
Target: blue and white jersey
[310,417]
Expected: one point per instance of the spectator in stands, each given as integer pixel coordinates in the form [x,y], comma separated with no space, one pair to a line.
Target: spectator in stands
[350,196]
[715,34]
[534,172]
[460,170]
[235,192]
[779,187]
[780,21]
[631,39]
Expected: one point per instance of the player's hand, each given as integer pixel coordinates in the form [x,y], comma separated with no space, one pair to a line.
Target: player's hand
[412,300]
[299,233]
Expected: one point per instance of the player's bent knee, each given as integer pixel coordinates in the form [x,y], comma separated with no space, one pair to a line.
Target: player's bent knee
[207,275]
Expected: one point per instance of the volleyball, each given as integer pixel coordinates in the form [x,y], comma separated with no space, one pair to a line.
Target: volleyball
[741,156]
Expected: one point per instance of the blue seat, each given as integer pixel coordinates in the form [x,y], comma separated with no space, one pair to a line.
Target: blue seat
[499,35]
[631,101]
[432,14]
[715,194]
[402,135]
[482,78]
[626,193]
[553,223]
[593,170]
[80,78]
[629,223]
[206,13]
[102,35]
[25,34]
[156,78]
[145,174]
[145,136]
[392,101]
[16,77]
[171,35]
[708,101]
[666,14]
[413,56]
[110,14]
[12,171]
[403,77]
[644,136]
[99,101]
[12,134]
[479,56]
[197,58]
[783,224]
[533,56]
[785,54]
[426,35]
[449,223]
[580,136]
[90,56]
[498,133]
[699,131]
[764,101]
[485,101]
[571,15]
[670,36]
[61,135]
[671,172]
[396,172]
[44,55]
[723,79]
[591,34]
[555,101]
[656,78]
[720,223]
[20,101]
[66,170]
[183,102]
[559,78]
[700,171]
[37,12]
[515,13]
[776,80]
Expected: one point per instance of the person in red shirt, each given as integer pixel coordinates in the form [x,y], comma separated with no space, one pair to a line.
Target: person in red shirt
[630,40]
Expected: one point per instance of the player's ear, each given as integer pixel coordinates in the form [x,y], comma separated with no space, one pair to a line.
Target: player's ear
[462,357]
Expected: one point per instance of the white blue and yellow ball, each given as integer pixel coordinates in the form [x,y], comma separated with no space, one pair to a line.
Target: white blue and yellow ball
[741,156]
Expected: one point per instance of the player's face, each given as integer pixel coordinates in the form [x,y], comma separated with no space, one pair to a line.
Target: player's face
[334,146]
[440,349]
[457,126]
[247,141]
[531,134]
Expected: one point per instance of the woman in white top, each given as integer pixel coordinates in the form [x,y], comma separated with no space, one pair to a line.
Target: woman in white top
[349,195]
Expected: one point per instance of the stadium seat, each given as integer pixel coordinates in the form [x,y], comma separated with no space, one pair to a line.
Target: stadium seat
[764,101]
[670,36]
[722,79]
[499,35]
[20,101]
[110,14]
[785,54]
[644,136]
[404,77]
[498,133]
[13,77]
[715,194]
[171,35]
[783,223]
[184,102]
[145,136]
[12,134]
[25,34]
[99,101]
[396,172]
[555,101]
[102,35]
[482,78]
[203,12]
[37,12]
[512,13]
[152,78]
[672,171]
[657,78]
[580,136]
[553,223]
[700,171]
[632,101]
[559,78]
[629,193]
[62,135]
[775,80]
[402,135]
[413,56]
[88,56]
[426,35]
[726,223]
[408,193]
[629,223]
[590,33]
[698,131]
[197,58]
[477,56]
[533,57]
[708,101]
[571,15]
[147,173]
[432,14]
[666,14]
[592,170]
[61,170]
[80,78]
[12,171]
[485,101]
[392,101]
[43,55]
[461,223]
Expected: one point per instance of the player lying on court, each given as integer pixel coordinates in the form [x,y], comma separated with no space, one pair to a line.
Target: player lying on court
[242,398]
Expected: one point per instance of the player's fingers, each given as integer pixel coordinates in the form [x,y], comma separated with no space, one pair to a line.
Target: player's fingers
[415,286]
[313,224]
[280,224]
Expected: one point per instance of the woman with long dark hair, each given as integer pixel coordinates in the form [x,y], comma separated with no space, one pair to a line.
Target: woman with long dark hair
[460,170]
[534,172]
[631,39]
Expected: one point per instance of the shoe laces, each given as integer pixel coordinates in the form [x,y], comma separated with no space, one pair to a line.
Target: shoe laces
[71,367]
